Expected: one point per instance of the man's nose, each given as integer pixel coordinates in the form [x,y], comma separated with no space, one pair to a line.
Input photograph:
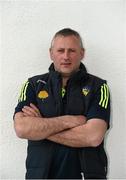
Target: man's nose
[66,55]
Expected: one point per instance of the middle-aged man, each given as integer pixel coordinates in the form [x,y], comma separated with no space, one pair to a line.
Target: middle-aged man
[64,114]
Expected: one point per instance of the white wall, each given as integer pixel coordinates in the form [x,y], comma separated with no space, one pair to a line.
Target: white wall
[27,28]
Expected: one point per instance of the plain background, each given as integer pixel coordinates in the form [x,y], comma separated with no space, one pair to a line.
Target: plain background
[27,28]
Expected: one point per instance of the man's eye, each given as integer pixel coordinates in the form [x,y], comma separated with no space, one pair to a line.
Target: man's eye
[72,50]
[60,50]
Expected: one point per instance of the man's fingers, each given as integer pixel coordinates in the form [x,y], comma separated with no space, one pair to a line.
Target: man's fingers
[35,108]
[29,111]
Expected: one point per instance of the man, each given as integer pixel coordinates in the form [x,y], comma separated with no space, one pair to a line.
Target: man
[64,114]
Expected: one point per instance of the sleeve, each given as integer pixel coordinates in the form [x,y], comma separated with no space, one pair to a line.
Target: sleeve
[27,96]
[100,105]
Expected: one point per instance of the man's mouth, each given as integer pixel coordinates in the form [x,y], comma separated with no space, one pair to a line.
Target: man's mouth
[65,64]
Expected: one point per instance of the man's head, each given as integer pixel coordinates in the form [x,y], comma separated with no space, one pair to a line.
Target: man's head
[66,51]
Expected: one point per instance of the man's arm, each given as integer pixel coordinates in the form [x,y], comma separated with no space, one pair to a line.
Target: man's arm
[38,128]
[90,134]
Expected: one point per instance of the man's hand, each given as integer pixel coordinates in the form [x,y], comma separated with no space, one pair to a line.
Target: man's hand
[31,111]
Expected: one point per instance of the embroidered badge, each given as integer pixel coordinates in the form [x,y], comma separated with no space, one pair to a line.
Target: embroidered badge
[43,94]
[85,91]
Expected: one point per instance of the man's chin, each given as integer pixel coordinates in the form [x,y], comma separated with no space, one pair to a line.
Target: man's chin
[66,73]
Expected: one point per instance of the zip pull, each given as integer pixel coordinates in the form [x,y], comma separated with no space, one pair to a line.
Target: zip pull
[82,174]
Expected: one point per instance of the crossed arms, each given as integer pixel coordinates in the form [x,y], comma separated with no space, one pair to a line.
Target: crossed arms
[70,130]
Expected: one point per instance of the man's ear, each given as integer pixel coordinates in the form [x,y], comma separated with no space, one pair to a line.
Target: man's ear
[82,53]
[51,53]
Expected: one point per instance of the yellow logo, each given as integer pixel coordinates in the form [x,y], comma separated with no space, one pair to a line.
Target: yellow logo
[43,94]
[85,91]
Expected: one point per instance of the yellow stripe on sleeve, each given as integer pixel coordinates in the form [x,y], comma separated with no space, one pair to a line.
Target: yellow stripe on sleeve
[22,96]
[101,95]
[104,96]
[107,96]
[25,89]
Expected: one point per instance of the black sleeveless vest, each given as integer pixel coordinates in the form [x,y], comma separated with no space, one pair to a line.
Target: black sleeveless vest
[47,93]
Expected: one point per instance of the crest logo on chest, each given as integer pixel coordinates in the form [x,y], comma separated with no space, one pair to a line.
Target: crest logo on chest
[85,90]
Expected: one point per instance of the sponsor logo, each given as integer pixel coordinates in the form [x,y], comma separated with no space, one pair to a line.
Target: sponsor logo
[43,94]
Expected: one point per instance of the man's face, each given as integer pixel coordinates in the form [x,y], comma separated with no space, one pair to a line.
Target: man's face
[66,54]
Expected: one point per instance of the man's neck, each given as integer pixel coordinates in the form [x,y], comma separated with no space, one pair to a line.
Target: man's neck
[66,77]
[64,81]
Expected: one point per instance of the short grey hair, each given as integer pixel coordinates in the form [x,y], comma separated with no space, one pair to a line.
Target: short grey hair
[67,32]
